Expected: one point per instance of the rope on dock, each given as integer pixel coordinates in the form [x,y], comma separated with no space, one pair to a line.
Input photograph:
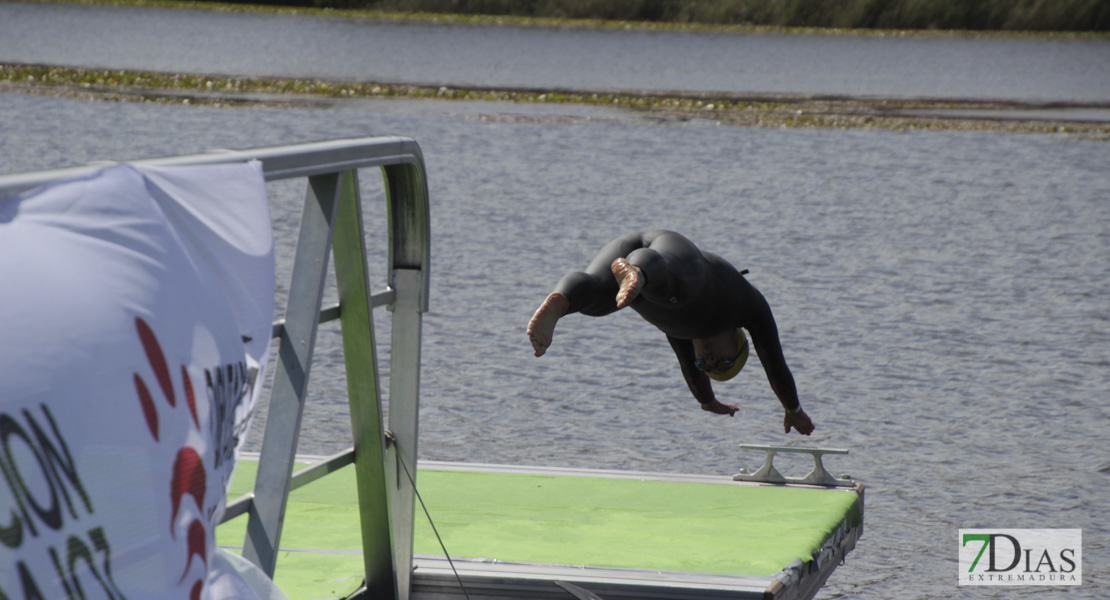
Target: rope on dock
[400,460]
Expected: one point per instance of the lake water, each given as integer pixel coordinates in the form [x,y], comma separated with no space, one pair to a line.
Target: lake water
[943,300]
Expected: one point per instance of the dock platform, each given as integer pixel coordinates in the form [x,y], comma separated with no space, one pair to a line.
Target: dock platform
[513,531]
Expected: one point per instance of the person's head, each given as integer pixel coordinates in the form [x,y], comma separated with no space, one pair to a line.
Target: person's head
[723,355]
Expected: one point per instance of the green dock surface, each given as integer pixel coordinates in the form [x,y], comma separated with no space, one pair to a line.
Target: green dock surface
[722,529]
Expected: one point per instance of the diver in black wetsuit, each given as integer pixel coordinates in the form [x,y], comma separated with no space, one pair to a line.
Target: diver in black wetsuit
[699,300]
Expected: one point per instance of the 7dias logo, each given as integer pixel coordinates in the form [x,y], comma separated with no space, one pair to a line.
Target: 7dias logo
[1021,556]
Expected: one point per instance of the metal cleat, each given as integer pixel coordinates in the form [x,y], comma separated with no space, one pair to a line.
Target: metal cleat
[818,476]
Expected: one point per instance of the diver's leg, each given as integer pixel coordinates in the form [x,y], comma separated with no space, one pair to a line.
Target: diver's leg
[541,329]
[672,267]
[591,292]
[630,279]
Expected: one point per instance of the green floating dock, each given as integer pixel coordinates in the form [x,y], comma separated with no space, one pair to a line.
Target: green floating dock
[572,525]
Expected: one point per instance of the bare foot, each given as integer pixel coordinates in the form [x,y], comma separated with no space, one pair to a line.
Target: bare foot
[720,408]
[631,280]
[541,329]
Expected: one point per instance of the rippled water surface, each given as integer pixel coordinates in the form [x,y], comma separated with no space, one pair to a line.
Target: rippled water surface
[942,299]
[192,41]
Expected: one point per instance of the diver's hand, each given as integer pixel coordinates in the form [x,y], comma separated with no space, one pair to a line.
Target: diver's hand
[799,421]
[720,408]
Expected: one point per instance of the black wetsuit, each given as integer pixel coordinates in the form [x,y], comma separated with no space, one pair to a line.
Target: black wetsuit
[687,294]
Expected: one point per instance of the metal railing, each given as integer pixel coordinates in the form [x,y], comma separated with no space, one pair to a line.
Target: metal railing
[331,222]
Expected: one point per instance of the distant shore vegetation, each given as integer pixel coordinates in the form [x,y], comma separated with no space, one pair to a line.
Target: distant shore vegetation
[971,15]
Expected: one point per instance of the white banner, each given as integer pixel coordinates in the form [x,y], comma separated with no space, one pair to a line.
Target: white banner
[135,314]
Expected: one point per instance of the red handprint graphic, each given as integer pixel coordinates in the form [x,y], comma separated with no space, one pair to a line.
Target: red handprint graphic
[189,475]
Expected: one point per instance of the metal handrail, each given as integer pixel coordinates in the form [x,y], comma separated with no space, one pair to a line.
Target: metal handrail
[278,162]
[332,222]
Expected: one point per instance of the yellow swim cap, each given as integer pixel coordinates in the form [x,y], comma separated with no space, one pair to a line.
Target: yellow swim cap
[738,362]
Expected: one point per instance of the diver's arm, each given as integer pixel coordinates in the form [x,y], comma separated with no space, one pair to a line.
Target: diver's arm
[697,381]
[778,374]
[760,323]
[765,338]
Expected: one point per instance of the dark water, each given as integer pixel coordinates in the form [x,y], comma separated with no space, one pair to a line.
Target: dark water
[942,299]
[1027,70]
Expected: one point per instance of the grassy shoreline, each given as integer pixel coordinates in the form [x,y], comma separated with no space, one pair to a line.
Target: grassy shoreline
[737,110]
[782,111]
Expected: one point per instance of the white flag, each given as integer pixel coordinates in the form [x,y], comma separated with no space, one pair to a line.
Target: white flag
[135,316]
